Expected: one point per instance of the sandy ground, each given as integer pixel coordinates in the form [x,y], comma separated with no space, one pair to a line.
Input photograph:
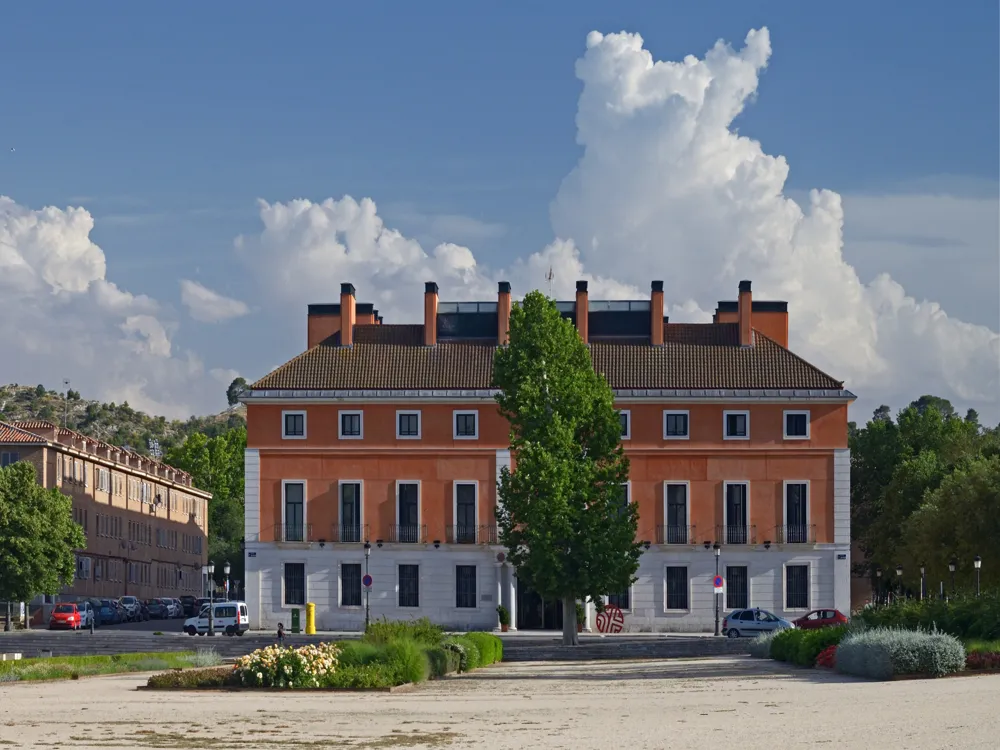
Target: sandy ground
[703,703]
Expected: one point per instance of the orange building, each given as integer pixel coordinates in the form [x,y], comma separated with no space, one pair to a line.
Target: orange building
[389,434]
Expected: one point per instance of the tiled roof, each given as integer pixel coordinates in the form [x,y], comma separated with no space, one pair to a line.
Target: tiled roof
[12,434]
[696,356]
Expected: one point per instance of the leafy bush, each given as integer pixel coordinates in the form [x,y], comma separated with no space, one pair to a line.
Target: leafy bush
[984,647]
[407,659]
[827,658]
[983,660]
[812,643]
[421,631]
[965,617]
[785,644]
[760,647]
[456,647]
[443,661]
[215,677]
[359,653]
[882,653]
[276,666]
[489,646]
[205,657]
[362,676]
[473,659]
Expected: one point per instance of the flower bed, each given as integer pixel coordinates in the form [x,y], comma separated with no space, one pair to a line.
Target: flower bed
[827,658]
[983,660]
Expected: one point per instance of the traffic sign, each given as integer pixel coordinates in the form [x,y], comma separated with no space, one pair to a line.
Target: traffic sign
[718,584]
[366,580]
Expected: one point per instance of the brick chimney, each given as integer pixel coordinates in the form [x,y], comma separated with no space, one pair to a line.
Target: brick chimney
[347,314]
[503,312]
[430,313]
[582,310]
[744,307]
[656,313]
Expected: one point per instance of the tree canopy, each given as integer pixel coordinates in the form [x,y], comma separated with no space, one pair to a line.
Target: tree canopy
[234,390]
[37,536]
[562,513]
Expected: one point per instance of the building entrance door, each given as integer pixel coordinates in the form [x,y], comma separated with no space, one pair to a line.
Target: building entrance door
[535,613]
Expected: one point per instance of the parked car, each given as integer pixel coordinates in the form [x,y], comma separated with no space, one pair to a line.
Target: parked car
[108,613]
[752,622]
[821,618]
[143,611]
[65,615]
[171,607]
[231,618]
[200,603]
[87,613]
[157,609]
[179,605]
[131,606]
[190,606]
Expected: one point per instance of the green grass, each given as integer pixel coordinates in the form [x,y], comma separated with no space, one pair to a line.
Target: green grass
[73,667]
[982,647]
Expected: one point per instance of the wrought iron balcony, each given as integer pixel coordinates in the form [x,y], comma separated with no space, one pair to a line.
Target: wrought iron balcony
[408,534]
[742,534]
[471,534]
[293,532]
[675,535]
[796,534]
[351,533]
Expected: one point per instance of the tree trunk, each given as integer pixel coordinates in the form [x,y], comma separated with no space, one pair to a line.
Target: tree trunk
[6,622]
[569,622]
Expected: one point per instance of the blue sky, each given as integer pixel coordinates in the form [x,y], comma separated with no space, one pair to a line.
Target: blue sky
[168,125]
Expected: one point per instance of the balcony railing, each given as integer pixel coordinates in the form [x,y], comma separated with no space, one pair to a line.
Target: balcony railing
[744,534]
[675,535]
[293,532]
[796,534]
[472,535]
[351,533]
[407,534]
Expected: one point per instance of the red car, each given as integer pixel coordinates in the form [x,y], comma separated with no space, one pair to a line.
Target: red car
[821,618]
[65,616]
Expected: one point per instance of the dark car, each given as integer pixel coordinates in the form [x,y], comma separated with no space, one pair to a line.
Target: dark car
[157,609]
[143,615]
[108,613]
[190,605]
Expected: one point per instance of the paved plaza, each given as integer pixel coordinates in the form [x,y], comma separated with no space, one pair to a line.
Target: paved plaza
[696,703]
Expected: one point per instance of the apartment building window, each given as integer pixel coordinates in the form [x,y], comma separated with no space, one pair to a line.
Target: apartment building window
[796,425]
[465,586]
[83,568]
[796,513]
[98,570]
[796,587]
[350,585]
[350,512]
[9,457]
[737,513]
[676,425]
[465,512]
[624,498]
[295,584]
[294,520]
[625,417]
[103,480]
[676,514]
[677,587]
[622,600]
[408,512]
[58,468]
[737,587]
[293,425]
[408,424]
[351,425]
[409,585]
[466,425]
[736,425]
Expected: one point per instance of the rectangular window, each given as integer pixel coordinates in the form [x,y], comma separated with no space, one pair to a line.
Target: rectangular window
[350,512]
[677,512]
[796,425]
[83,568]
[409,585]
[465,513]
[677,587]
[9,457]
[408,513]
[796,513]
[737,425]
[737,514]
[796,587]
[737,587]
[295,584]
[350,585]
[622,600]
[465,586]
[408,424]
[293,424]
[466,425]
[626,420]
[294,530]
[350,425]
[675,425]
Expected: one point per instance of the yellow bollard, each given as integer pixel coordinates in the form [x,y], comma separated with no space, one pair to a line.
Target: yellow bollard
[310,618]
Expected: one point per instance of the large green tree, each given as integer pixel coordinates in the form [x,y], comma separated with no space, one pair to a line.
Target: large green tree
[37,536]
[562,513]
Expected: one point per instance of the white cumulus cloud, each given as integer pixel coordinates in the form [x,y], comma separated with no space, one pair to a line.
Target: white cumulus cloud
[209,306]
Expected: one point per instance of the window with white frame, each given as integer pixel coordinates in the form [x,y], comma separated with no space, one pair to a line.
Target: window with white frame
[294,512]
[104,480]
[796,425]
[408,425]
[736,425]
[676,425]
[293,425]
[409,585]
[350,584]
[737,587]
[676,585]
[622,599]
[676,513]
[626,421]
[796,530]
[295,584]
[796,587]
[465,586]
[83,568]
[466,425]
[351,425]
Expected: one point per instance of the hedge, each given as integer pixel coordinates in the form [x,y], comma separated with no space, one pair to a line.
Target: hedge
[883,653]
[964,617]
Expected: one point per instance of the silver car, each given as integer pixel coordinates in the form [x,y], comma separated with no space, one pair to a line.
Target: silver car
[752,622]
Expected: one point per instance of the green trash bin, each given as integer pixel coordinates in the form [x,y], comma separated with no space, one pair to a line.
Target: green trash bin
[295,621]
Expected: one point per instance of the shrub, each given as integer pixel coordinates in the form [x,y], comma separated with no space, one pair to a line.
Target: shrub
[786,644]
[359,653]
[760,647]
[385,631]
[812,643]
[362,676]
[442,661]
[469,657]
[985,647]
[205,657]
[215,677]
[965,617]
[407,660]
[827,658]
[882,653]
[983,660]
[456,647]
[489,646]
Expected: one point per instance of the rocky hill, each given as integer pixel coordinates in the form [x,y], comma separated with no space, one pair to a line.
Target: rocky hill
[118,424]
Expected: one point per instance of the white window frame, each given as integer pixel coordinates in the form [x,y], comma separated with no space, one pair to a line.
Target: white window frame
[687,510]
[784,585]
[340,424]
[454,579]
[454,423]
[784,501]
[725,418]
[628,422]
[284,424]
[420,503]
[678,412]
[690,583]
[725,505]
[420,582]
[305,582]
[631,598]
[454,500]
[784,424]
[420,424]
[305,511]
[737,563]
[340,585]
[361,503]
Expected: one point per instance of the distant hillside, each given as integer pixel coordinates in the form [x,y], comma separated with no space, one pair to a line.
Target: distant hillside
[118,424]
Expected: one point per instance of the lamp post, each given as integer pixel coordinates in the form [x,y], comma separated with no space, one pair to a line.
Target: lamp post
[211,598]
[977,563]
[368,593]
[923,581]
[225,569]
[899,580]
[952,564]
[878,585]
[718,552]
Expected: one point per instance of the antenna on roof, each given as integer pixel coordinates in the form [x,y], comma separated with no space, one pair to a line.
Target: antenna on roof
[65,402]
[548,277]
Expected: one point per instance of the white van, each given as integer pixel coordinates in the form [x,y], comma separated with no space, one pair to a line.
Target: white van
[231,618]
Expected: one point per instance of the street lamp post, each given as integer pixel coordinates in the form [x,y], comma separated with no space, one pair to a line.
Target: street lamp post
[899,581]
[225,569]
[368,593]
[718,552]
[878,585]
[977,563]
[923,581]
[952,564]
[211,598]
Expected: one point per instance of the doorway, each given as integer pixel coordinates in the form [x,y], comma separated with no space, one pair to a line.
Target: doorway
[536,613]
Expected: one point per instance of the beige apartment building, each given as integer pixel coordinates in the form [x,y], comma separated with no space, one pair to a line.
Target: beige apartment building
[146,524]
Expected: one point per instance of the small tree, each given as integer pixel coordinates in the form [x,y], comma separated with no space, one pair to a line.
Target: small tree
[37,536]
[562,513]
[234,390]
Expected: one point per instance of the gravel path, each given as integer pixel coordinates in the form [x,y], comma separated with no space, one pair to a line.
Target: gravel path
[706,703]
